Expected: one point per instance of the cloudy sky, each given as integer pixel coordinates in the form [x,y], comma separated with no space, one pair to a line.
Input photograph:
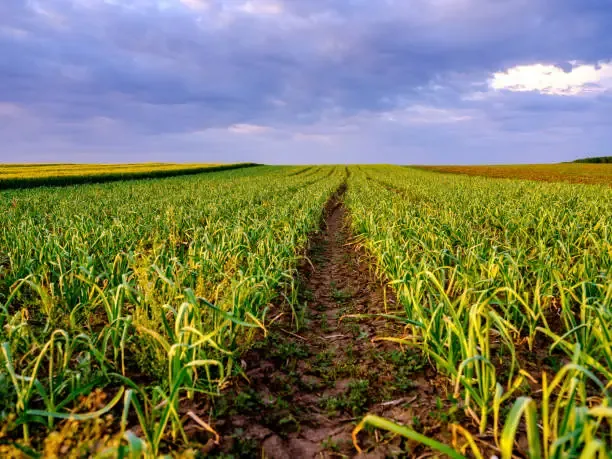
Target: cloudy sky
[303,81]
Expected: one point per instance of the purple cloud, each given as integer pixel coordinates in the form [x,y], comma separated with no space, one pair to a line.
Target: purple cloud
[298,81]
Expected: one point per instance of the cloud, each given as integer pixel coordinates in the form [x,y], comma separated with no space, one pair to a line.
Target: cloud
[9,110]
[554,80]
[419,114]
[318,138]
[261,7]
[389,79]
[247,129]
[200,5]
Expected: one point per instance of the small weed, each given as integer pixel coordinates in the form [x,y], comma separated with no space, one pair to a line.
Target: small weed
[363,334]
[323,323]
[308,295]
[340,295]
[324,359]
[241,446]
[354,329]
[281,404]
[330,444]
[247,400]
[333,404]
[350,357]
[355,400]
[444,413]
[291,349]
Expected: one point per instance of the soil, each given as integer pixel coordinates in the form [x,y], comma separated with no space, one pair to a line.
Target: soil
[308,387]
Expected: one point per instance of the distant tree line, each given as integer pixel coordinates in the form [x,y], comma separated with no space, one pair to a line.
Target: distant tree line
[596,159]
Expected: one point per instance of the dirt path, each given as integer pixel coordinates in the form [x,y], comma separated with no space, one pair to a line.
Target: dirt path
[309,387]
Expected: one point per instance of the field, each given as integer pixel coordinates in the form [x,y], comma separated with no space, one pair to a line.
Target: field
[31,175]
[312,311]
[566,172]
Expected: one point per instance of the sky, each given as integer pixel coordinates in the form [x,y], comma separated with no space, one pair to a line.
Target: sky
[305,81]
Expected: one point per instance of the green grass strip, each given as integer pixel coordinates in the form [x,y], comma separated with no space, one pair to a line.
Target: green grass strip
[34,182]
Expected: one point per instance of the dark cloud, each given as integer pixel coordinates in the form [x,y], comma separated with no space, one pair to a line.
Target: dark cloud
[164,76]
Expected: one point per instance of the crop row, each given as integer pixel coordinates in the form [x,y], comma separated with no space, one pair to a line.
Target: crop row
[506,286]
[145,291]
[578,172]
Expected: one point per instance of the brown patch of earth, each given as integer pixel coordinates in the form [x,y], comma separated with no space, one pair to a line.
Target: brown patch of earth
[310,386]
